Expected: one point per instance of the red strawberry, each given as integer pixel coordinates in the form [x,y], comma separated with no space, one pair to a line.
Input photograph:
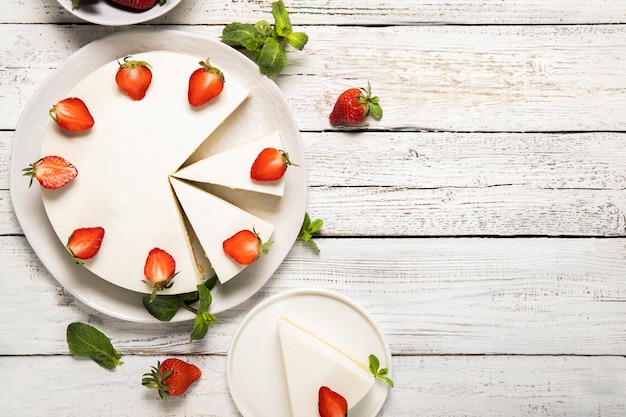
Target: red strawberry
[354,105]
[270,165]
[84,243]
[51,171]
[139,4]
[159,270]
[245,246]
[72,114]
[331,404]
[134,78]
[205,83]
[172,377]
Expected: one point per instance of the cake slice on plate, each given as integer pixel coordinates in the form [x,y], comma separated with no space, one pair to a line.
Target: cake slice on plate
[311,363]
[231,168]
[214,220]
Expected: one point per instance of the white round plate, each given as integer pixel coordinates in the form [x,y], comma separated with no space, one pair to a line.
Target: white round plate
[264,111]
[255,369]
[103,12]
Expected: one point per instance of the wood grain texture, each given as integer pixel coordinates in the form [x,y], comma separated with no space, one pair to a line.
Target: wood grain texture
[361,12]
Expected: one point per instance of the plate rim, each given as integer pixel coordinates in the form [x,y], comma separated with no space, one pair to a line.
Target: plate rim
[129,41]
[296,292]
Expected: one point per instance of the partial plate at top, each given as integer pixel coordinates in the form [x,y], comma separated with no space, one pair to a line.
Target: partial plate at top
[106,13]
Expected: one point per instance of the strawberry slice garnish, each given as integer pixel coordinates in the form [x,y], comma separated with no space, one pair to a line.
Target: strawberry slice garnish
[270,165]
[331,404]
[159,270]
[51,171]
[172,378]
[84,243]
[205,83]
[245,246]
[134,78]
[72,114]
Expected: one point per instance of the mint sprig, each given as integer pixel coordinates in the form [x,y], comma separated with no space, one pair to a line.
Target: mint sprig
[87,341]
[377,372]
[165,307]
[266,42]
[308,229]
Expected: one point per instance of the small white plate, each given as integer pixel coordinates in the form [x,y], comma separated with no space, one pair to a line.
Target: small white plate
[255,369]
[103,12]
[265,111]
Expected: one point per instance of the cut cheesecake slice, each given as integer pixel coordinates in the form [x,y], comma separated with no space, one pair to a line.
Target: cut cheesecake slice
[214,220]
[231,168]
[311,362]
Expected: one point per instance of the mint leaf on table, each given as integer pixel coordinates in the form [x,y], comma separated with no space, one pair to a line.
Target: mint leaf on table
[165,307]
[377,372]
[308,229]
[87,341]
[266,42]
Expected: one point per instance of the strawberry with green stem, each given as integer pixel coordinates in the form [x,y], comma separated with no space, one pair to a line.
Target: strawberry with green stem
[159,270]
[205,83]
[245,246]
[270,165]
[354,105]
[51,172]
[134,77]
[171,378]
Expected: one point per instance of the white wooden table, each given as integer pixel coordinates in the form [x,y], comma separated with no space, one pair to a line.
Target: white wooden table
[482,222]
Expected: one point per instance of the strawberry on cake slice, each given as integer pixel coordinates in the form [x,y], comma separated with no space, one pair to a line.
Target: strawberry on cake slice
[232,168]
[124,162]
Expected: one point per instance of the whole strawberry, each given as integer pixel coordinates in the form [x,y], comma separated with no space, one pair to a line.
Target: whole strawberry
[205,83]
[270,165]
[51,171]
[134,78]
[72,114]
[172,377]
[159,270]
[85,242]
[245,246]
[354,105]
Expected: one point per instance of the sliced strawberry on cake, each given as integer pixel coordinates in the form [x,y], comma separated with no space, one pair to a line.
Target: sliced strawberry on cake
[331,404]
[159,270]
[72,114]
[84,243]
[51,171]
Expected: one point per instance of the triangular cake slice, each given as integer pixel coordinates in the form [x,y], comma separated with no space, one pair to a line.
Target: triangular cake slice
[215,220]
[231,168]
[311,362]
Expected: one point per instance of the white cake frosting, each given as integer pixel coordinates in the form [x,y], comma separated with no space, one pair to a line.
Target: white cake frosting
[311,362]
[215,220]
[124,163]
[217,169]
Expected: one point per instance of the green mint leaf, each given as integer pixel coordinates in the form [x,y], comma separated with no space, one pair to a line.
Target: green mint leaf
[87,341]
[210,283]
[242,34]
[264,29]
[378,373]
[307,230]
[376,110]
[163,307]
[75,4]
[272,58]
[205,298]
[297,39]
[201,325]
[282,24]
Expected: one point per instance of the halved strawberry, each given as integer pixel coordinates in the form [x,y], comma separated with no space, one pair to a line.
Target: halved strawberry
[245,246]
[159,270]
[134,78]
[331,404]
[270,165]
[84,243]
[72,114]
[51,171]
[205,83]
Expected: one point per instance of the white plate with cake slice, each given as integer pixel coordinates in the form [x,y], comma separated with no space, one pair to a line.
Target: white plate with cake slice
[264,111]
[330,331]
[107,13]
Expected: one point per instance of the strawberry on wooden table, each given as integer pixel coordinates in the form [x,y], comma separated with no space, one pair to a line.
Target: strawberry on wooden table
[72,114]
[331,404]
[245,246]
[159,270]
[205,83]
[172,377]
[134,78]
[139,5]
[270,165]
[51,171]
[354,105]
[84,243]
